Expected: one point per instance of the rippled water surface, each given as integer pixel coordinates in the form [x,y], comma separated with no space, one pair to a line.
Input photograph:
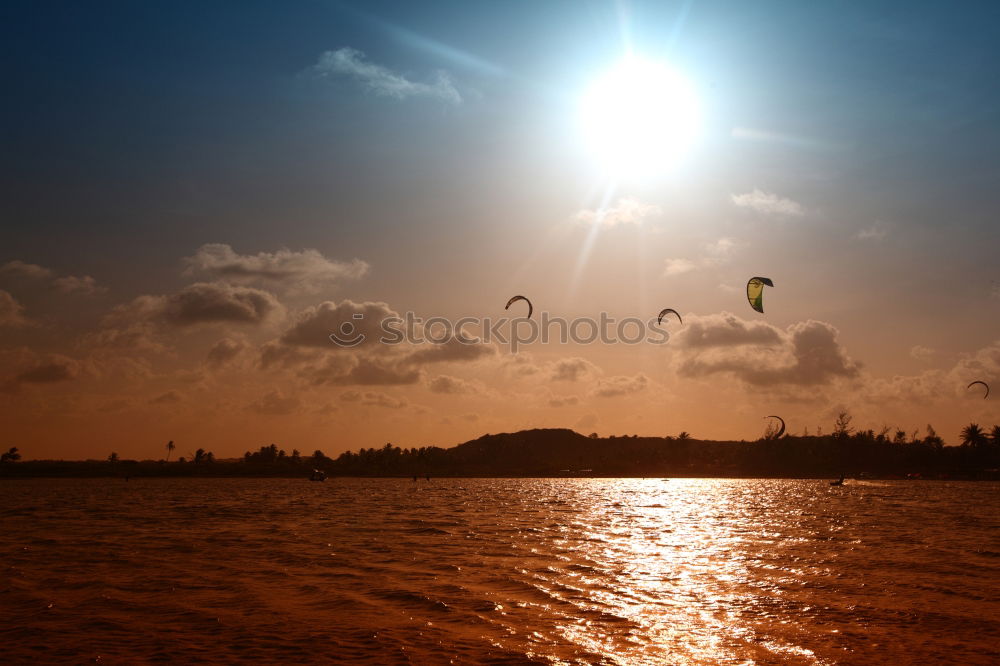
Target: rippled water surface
[615,571]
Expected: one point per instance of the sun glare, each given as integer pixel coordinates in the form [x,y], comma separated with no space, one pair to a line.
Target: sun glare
[639,118]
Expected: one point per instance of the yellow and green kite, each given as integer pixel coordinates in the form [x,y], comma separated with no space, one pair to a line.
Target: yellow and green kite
[755,292]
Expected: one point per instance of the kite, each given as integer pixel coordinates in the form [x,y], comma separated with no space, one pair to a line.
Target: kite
[985,385]
[782,430]
[520,298]
[659,318]
[755,292]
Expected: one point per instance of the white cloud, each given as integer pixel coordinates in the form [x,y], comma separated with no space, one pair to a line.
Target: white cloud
[720,251]
[876,232]
[382,81]
[768,203]
[626,211]
[678,267]
[715,253]
[307,268]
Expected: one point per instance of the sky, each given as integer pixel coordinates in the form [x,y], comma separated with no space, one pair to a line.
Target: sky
[197,195]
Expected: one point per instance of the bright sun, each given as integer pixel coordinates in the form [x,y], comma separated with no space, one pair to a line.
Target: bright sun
[639,118]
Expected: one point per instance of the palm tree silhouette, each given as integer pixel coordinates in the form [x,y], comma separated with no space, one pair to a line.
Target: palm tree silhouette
[170,449]
[974,436]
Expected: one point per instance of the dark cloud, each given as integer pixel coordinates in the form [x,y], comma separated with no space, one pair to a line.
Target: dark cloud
[10,311]
[69,284]
[725,330]
[224,351]
[55,369]
[205,302]
[168,398]
[613,387]
[348,321]
[450,385]
[275,403]
[73,284]
[573,369]
[22,269]
[373,371]
[373,399]
[452,350]
[806,354]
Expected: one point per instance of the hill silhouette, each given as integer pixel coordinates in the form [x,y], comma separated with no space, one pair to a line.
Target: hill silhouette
[562,452]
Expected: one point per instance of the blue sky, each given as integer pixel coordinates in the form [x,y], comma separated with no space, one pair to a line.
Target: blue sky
[847,149]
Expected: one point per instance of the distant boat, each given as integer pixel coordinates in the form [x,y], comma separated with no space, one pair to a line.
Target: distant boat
[317,475]
[838,482]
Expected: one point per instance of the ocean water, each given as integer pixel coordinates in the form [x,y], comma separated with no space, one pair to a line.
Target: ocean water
[501,571]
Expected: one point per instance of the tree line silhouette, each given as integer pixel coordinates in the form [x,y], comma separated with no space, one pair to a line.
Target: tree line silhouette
[886,453]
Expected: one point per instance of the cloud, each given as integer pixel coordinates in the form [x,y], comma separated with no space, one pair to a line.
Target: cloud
[563,401]
[451,351]
[305,269]
[725,330]
[168,398]
[983,365]
[922,353]
[382,81]
[625,211]
[72,284]
[678,267]
[450,385]
[10,311]
[371,371]
[768,203]
[69,284]
[521,364]
[621,385]
[355,325]
[373,399]
[21,269]
[805,354]
[224,351]
[275,403]
[720,251]
[716,253]
[573,369]
[876,232]
[56,368]
[209,302]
